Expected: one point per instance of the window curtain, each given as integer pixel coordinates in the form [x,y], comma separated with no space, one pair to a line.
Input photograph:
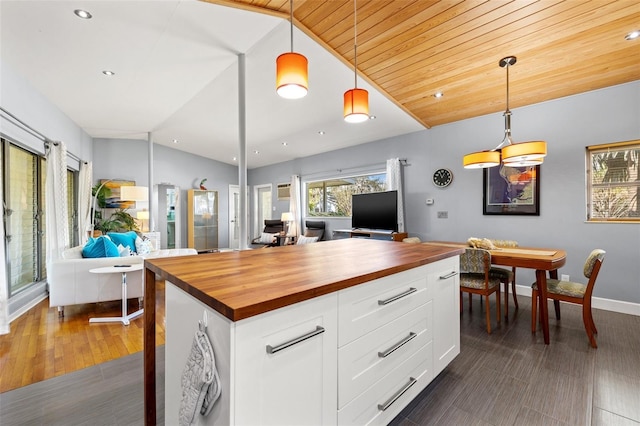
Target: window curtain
[294,206]
[394,183]
[84,201]
[57,226]
[4,282]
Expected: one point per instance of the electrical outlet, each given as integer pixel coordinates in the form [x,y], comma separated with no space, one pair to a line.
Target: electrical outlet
[564,277]
[443,215]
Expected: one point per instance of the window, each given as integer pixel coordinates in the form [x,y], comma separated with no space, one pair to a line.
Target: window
[613,183]
[23,177]
[332,198]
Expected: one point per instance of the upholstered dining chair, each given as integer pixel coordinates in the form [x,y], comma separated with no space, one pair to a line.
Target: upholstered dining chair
[572,292]
[506,276]
[475,278]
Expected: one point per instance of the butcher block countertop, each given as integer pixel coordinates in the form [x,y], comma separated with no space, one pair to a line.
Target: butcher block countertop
[241,284]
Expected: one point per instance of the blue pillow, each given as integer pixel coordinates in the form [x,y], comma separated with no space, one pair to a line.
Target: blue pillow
[127,239]
[100,247]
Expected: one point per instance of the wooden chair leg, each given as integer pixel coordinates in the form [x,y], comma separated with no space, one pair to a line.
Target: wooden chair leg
[556,305]
[488,315]
[534,308]
[513,291]
[498,314]
[587,306]
[586,318]
[506,301]
[470,306]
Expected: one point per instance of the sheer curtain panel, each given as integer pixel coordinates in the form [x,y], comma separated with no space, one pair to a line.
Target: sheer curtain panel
[57,227]
[84,201]
[4,282]
[294,206]
[394,182]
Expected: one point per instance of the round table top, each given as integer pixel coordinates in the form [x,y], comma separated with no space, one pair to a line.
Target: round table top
[124,267]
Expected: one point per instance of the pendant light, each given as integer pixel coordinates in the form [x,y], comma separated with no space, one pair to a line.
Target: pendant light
[509,153]
[356,101]
[292,79]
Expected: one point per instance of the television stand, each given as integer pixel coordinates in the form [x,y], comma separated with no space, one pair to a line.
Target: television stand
[378,234]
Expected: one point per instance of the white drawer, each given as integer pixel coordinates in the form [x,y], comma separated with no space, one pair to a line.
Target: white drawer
[365,409]
[364,361]
[366,307]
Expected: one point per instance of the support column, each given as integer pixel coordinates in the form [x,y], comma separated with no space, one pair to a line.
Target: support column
[242,154]
[152,207]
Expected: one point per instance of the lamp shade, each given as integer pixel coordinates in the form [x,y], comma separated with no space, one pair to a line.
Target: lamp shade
[134,193]
[481,160]
[356,105]
[524,154]
[292,79]
[286,217]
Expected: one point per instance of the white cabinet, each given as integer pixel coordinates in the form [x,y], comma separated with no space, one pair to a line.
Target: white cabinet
[285,365]
[355,356]
[444,282]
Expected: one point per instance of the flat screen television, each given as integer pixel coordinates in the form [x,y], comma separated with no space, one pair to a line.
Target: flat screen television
[375,210]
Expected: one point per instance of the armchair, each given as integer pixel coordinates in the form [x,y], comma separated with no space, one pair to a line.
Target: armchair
[271,228]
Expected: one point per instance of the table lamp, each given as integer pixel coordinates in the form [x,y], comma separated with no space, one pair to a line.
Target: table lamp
[286,218]
[142,216]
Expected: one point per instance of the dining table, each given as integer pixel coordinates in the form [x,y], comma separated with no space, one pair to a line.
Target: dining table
[539,259]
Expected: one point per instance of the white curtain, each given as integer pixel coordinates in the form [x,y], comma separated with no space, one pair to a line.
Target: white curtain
[57,224]
[294,206]
[4,284]
[394,182]
[84,201]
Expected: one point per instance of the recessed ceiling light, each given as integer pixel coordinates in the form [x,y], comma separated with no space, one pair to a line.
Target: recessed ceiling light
[175,141]
[256,152]
[284,144]
[82,14]
[321,132]
[438,95]
[109,73]
[633,35]
[235,158]
[372,117]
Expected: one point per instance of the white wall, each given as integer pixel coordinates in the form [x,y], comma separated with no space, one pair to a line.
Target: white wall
[568,125]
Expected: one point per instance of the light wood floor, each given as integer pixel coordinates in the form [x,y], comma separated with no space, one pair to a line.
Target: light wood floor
[41,345]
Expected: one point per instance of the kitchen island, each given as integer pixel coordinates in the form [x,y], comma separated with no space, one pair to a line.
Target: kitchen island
[382,319]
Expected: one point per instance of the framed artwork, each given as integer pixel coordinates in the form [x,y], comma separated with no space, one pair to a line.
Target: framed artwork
[113,201]
[511,190]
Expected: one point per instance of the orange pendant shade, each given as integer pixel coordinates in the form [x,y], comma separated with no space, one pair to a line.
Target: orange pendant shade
[356,105]
[292,79]
[524,154]
[481,160]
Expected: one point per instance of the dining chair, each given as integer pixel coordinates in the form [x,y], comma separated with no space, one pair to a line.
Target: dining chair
[506,276]
[572,292]
[475,278]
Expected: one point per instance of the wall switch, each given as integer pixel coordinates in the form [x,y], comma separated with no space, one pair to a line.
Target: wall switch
[443,215]
[564,277]
[429,201]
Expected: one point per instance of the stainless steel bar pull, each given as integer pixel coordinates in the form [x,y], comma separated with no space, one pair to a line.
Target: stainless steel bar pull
[394,397]
[274,349]
[397,296]
[398,345]
[449,275]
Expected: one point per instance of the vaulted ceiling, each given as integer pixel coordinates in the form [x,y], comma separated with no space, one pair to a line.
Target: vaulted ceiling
[411,49]
[176,65]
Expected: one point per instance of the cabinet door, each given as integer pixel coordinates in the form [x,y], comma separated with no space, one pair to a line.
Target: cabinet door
[202,219]
[286,365]
[444,283]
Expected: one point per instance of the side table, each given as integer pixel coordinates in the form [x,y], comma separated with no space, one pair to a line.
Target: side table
[122,269]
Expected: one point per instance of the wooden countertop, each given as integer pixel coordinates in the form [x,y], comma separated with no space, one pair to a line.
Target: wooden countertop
[241,284]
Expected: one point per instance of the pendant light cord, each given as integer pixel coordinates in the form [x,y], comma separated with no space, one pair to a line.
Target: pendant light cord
[355,44]
[507,114]
[291,21]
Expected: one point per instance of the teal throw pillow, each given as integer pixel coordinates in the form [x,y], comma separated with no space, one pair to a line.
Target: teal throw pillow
[100,247]
[127,239]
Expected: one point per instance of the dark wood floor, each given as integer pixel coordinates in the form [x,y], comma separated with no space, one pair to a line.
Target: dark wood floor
[507,378]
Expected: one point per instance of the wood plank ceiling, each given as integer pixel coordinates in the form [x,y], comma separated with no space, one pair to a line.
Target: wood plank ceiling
[411,49]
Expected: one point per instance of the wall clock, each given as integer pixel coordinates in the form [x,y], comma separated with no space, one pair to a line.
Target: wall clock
[442,178]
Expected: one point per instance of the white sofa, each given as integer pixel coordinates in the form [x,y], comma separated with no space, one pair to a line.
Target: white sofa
[71,283]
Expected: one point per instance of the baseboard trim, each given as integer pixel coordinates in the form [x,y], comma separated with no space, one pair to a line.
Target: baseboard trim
[597,302]
[24,309]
